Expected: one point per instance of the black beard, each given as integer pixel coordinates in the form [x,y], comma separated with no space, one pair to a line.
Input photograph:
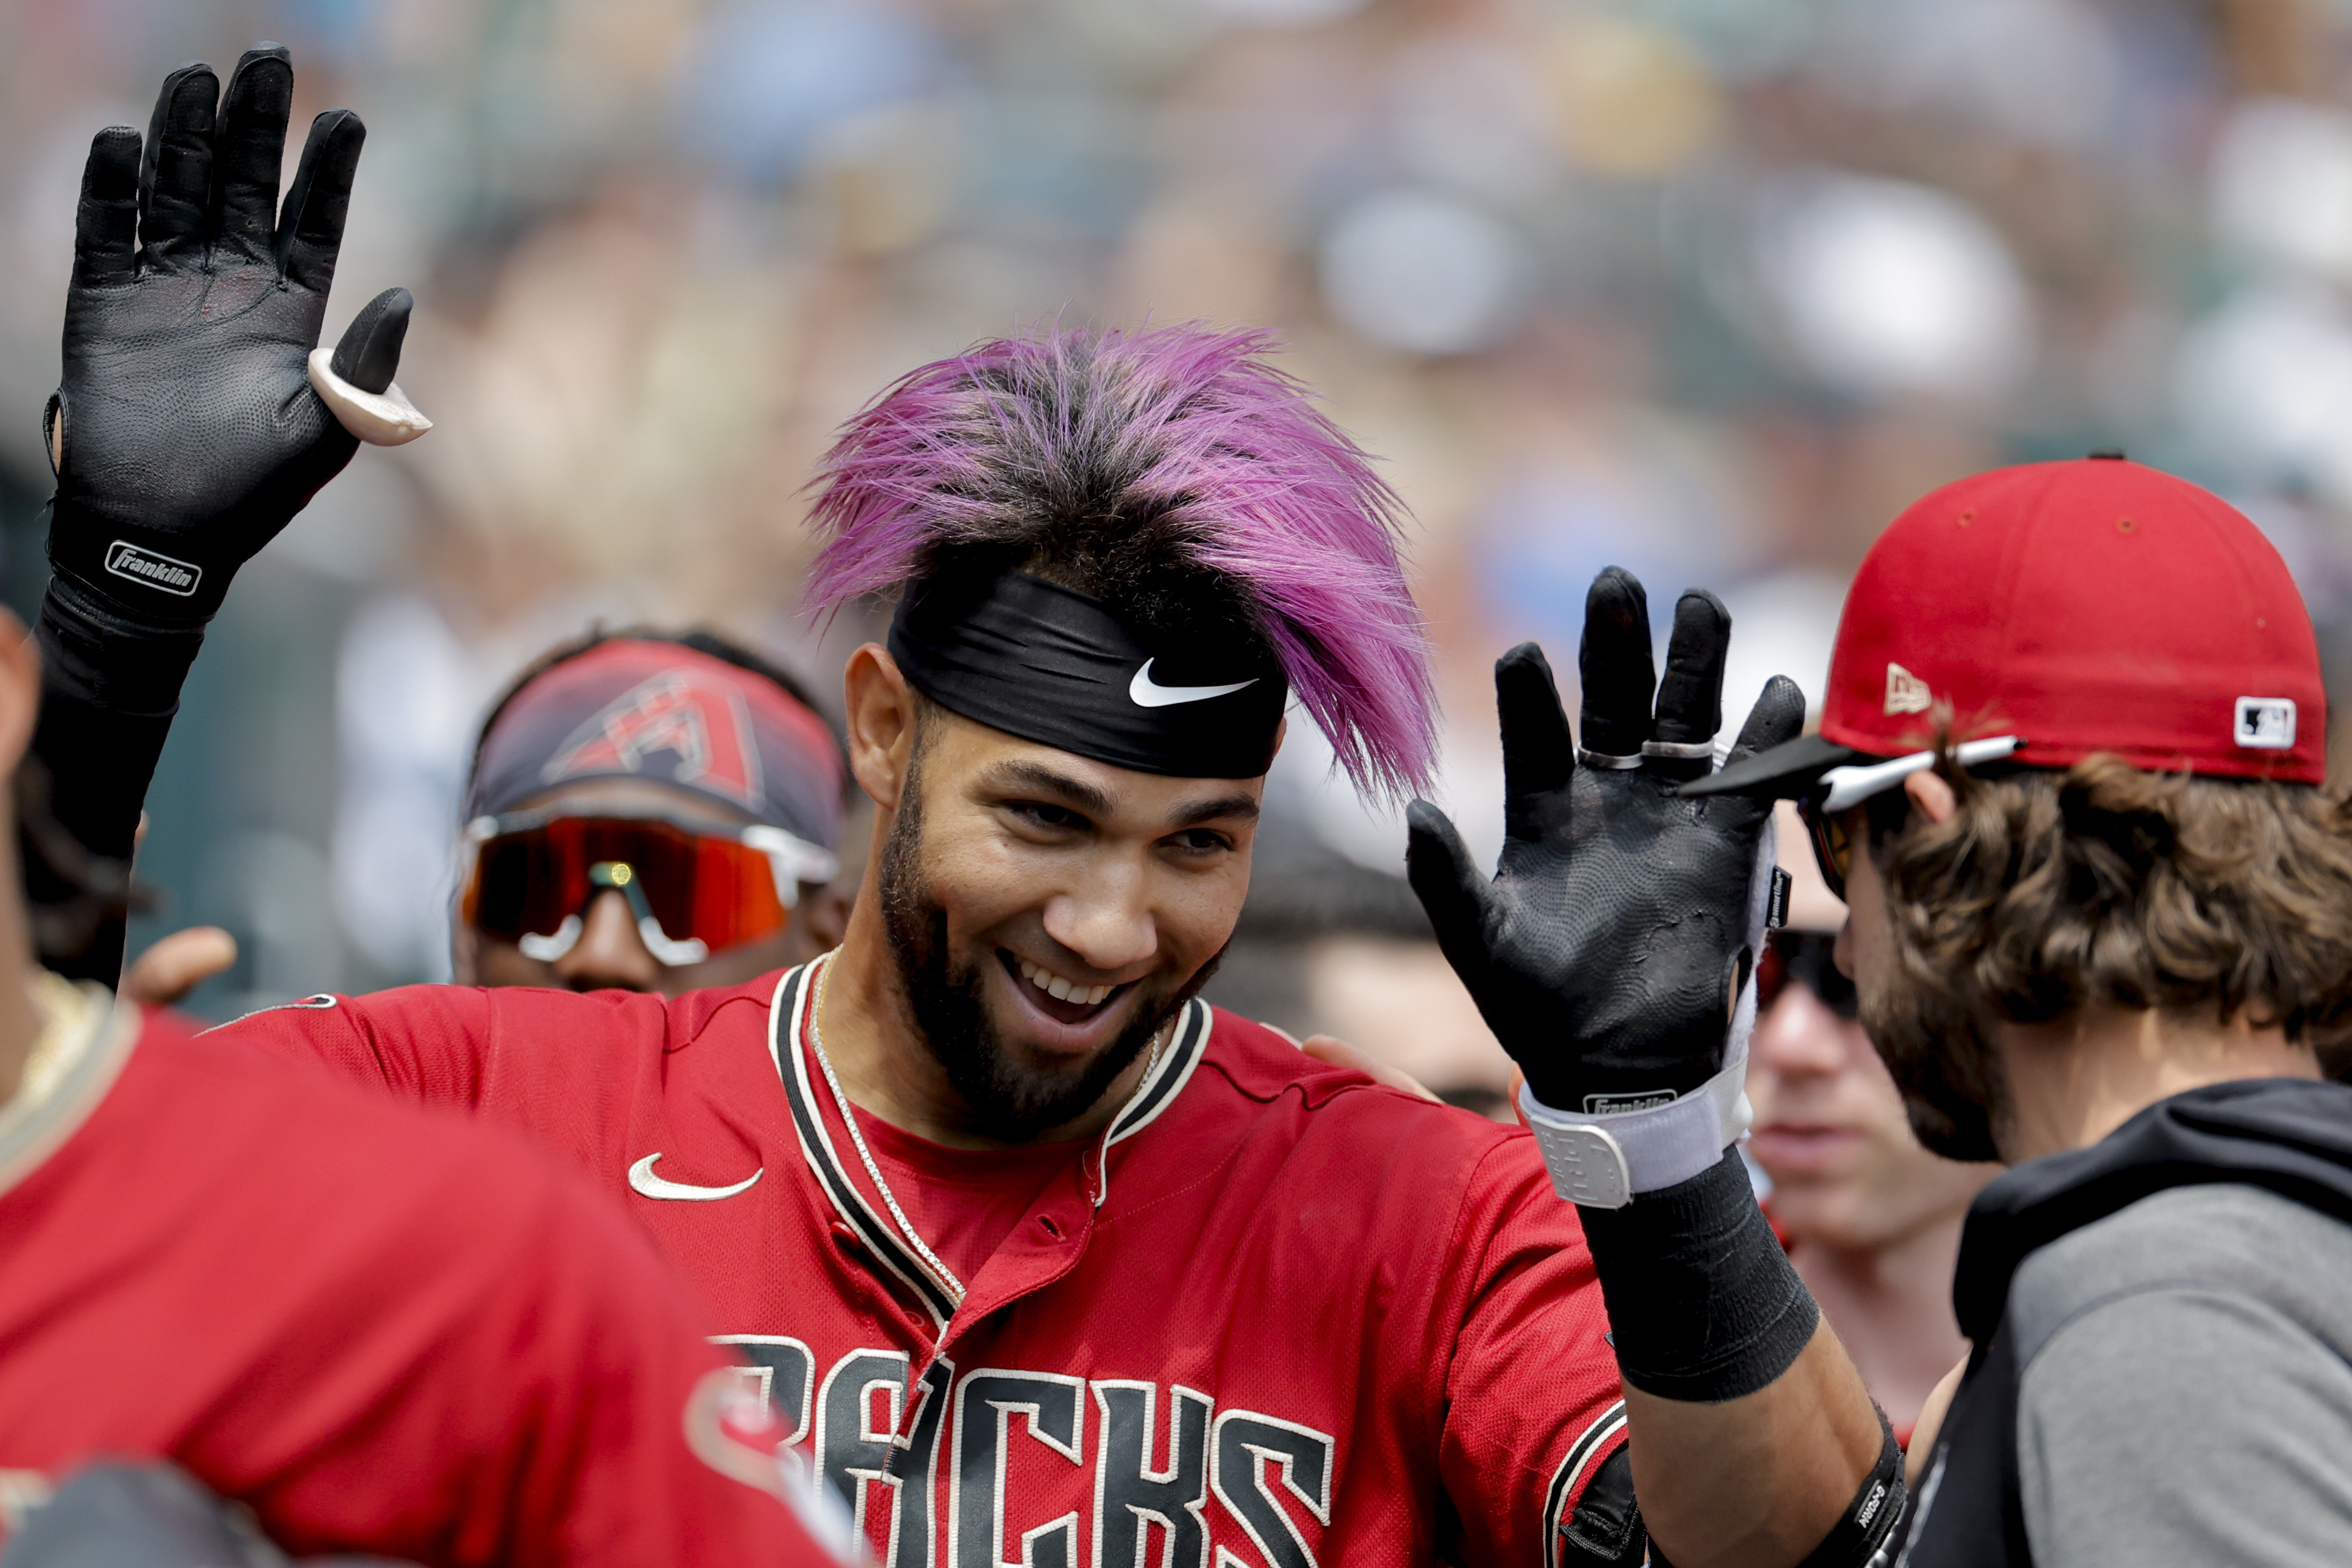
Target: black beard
[1943,1062]
[944,1004]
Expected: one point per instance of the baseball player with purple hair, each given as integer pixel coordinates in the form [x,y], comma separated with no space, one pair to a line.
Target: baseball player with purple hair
[1038,1257]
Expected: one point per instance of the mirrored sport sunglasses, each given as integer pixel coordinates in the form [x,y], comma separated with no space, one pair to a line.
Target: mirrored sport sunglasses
[694,887]
[1807,958]
[1826,813]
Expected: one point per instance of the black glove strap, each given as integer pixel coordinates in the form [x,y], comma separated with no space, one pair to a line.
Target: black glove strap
[110,688]
[1855,1540]
[1703,1303]
[147,577]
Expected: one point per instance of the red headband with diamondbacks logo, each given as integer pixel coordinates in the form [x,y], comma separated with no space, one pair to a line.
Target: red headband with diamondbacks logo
[641,709]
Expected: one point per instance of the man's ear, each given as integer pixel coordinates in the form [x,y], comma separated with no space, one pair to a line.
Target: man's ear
[880,706]
[20,690]
[1931,796]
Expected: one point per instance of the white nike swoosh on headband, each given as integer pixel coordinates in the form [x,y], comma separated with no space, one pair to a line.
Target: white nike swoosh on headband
[642,1179]
[1144,693]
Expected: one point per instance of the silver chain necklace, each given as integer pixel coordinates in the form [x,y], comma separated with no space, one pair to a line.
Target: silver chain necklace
[865,1155]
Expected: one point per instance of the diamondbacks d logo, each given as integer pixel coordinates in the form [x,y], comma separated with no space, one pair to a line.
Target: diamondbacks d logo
[703,725]
[177,578]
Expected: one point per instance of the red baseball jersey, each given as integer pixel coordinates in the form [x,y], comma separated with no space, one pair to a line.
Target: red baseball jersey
[385,1331]
[1273,1311]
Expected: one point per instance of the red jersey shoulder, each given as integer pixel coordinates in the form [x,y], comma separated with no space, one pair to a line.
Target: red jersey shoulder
[1263,1064]
[204,1091]
[678,1021]
[695,1014]
[1289,1117]
[259,1264]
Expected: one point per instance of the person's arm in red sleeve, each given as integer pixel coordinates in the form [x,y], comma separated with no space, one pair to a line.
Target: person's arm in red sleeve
[637,1442]
[429,1044]
[484,1363]
[1533,1449]
[564,1068]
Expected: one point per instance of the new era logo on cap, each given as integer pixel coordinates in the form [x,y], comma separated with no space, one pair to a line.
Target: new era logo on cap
[1907,693]
[2266,724]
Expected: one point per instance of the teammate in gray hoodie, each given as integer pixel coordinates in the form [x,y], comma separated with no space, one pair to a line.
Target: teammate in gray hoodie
[2069,780]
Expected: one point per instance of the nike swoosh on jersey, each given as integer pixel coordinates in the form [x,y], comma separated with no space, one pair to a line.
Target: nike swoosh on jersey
[642,1180]
[1144,692]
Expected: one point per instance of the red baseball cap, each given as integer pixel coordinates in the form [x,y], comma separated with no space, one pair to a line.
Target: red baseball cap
[2060,609]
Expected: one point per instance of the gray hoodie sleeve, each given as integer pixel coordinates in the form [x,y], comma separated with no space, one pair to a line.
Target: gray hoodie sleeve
[2187,1396]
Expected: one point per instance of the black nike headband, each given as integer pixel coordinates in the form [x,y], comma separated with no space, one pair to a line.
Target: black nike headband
[1053,665]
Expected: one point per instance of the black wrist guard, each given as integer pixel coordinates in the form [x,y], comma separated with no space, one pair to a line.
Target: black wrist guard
[1703,1303]
[1870,1518]
[109,686]
[98,658]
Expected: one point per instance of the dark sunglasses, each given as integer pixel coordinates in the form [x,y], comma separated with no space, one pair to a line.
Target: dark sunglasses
[693,888]
[1854,787]
[1833,843]
[1807,958]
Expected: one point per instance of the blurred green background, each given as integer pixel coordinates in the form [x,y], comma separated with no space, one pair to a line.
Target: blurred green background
[1707,288]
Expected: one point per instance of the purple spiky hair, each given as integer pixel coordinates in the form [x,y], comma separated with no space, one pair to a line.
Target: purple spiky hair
[1172,450]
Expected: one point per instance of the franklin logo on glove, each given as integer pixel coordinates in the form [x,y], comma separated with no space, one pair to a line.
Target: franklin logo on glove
[124,559]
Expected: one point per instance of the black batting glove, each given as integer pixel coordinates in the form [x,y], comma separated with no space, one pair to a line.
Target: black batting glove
[185,431]
[1607,950]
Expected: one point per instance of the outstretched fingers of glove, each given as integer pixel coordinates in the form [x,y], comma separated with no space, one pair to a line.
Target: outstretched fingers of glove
[1690,695]
[368,353]
[106,224]
[1538,753]
[1619,678]
[250,147]
[1777,717]
[175,180]
[1450,888]
[310,227]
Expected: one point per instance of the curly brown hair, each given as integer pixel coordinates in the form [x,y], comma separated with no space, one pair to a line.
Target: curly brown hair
[2049,891]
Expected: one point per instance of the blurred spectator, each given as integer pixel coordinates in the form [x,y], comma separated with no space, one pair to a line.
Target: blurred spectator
[1871,1219]
[1707,289]
[1327,946]
[650,812]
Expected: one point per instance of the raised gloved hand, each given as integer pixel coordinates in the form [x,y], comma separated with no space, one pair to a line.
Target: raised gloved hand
[1606,955]
[1607,950]
[185,430]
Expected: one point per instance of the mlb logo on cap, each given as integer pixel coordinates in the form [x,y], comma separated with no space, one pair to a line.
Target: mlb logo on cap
[2097,606]
[2266,724]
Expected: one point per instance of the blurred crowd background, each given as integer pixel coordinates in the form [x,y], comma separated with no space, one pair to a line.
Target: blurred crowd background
[1709,288]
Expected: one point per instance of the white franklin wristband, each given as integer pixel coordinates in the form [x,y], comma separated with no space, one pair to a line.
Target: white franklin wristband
[1603,1161]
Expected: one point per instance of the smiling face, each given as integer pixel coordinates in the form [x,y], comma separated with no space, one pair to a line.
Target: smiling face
[1047,913]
